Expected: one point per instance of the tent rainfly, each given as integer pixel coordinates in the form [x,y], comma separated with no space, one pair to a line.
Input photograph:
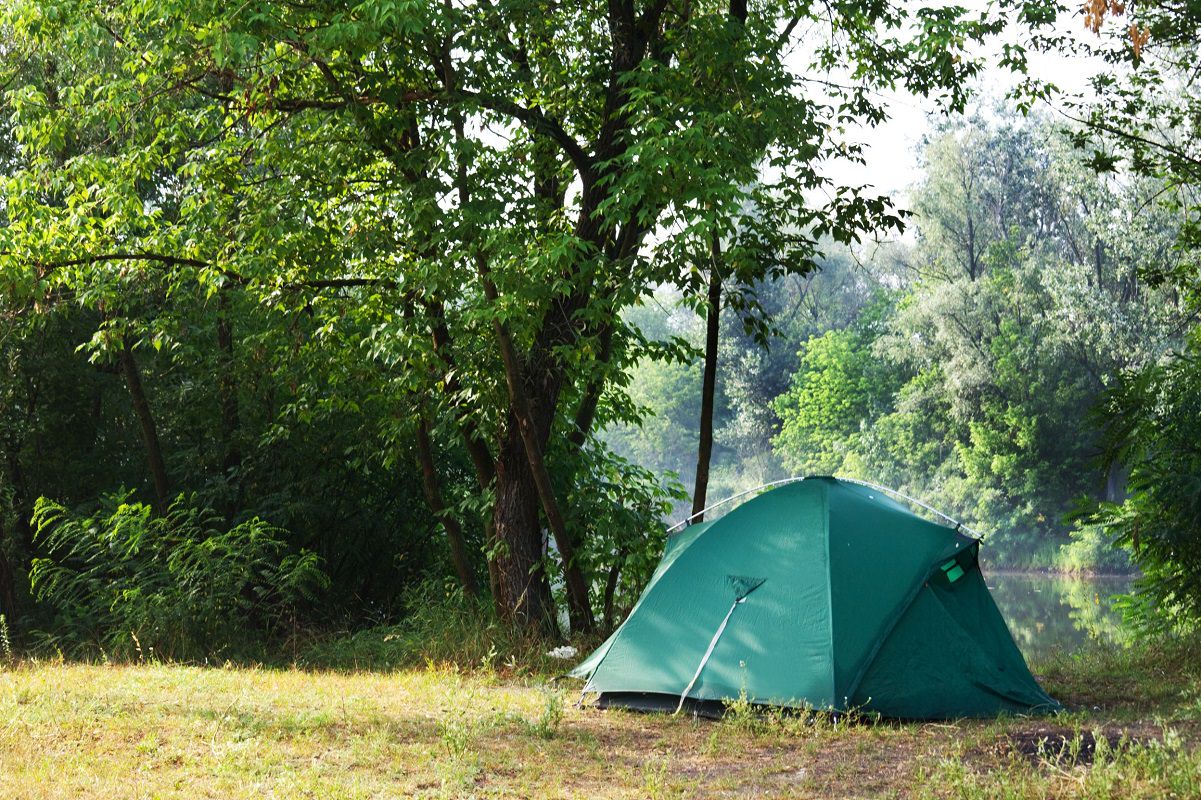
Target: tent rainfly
[821,594]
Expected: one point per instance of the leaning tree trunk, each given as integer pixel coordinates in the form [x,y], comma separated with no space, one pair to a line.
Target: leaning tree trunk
[533,437]
[522,590]
[433,496]
[708,386]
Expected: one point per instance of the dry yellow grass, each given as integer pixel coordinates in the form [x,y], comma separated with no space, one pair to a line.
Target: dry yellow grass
[162,731]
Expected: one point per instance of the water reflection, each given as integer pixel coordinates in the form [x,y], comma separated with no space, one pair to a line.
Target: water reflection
[1050,613]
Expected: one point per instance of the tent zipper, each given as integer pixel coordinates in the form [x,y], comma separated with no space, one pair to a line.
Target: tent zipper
[705,659]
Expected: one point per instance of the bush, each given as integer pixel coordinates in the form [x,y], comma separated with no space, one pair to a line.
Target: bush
[1092,551]
[127,581]
[1154,427]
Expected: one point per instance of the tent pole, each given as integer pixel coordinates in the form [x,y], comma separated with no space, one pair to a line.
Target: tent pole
[684,523]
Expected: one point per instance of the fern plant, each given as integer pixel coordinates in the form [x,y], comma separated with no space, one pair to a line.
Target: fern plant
[178,585]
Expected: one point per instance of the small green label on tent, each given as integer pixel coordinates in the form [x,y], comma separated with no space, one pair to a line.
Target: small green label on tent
[953,570]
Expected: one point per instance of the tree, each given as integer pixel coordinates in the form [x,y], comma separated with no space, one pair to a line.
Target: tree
[981,189]
[709,381]
[839,387]
[1154,423]
[481,188]
[755,366]
[1141,121]
[994,366]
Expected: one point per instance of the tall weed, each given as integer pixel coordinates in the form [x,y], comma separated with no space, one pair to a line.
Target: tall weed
[440,626]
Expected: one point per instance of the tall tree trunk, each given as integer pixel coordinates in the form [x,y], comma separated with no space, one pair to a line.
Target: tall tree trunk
[709,383]
[433,496]
[971,247]
[477,450]
[579,606]
[704,449]
[1116,479]
[522,593]
[141,408]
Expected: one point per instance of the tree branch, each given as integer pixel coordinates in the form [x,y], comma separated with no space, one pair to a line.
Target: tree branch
[162,258]
[537,121]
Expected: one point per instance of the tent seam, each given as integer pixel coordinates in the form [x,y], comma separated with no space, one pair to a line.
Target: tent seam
[1051,701]
[829,594]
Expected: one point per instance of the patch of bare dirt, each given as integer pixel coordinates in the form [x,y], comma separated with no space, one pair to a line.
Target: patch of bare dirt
[1056,744]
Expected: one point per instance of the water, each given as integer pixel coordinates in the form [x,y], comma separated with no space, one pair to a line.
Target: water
[1053,613]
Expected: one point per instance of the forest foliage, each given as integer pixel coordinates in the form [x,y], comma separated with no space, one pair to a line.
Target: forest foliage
[966,363]
[314,313]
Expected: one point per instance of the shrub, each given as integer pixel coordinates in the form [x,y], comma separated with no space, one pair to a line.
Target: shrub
[1154,420]
[1092,550]
[178,586]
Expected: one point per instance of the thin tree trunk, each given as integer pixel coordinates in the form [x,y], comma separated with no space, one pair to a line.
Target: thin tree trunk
[579,608]
[477,448]
[611,588]
[585,415]
[8,584]
[227,391]
[433,496]
[490,546]
[709,384]
[141,408]
[971,247]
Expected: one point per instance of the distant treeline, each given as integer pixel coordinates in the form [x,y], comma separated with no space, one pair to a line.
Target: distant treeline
[967,364]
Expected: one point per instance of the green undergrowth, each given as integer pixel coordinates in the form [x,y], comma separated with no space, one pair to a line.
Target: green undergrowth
[454,631]
[1160,675]
[438,627]
[1091,551]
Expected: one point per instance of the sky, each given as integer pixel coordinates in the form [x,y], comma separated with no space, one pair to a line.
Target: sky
[893,148]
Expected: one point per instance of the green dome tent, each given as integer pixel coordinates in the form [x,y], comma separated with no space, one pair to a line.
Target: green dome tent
[821,593]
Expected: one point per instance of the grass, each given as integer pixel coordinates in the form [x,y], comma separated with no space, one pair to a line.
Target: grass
[171,731]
